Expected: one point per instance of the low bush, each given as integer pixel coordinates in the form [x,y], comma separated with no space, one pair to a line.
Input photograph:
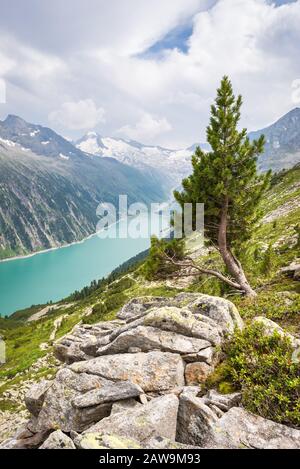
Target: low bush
[262,368]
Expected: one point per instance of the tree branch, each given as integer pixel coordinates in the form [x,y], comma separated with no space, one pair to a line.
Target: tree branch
[201,270]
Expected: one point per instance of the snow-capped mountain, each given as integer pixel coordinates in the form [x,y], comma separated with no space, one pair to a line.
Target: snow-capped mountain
[50,190]
[174,165]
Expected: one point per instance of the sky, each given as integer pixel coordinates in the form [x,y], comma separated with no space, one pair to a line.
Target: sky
[147,70]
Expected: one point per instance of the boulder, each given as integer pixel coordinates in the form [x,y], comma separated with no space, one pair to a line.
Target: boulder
[126,404]
[271,327]
[105,441]
[197,373]
[138,307]
[195,419]
[58,411]
[34,397]
[183,321]
[239,428]
[108,393]
[213,421]
[223,401]
[58,440]
[156,419]
[153,338]
[153,371]
[220,310]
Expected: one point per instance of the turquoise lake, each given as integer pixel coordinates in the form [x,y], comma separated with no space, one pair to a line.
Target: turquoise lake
[54,274]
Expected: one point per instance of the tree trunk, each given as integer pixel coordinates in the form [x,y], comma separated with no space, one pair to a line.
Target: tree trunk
[232,264]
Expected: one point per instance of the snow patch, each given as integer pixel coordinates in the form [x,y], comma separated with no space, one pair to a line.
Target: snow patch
[64,157]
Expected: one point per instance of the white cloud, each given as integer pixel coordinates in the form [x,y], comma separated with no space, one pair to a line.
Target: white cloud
[254,42]
[146,129]
[78,115]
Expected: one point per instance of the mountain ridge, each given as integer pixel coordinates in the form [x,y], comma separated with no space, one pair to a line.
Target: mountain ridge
[50,191]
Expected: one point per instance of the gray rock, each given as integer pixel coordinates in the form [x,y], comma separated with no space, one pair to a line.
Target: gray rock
[126,404]
[271,327]
[108,393]
[105,441]
[183,321]
[155,419]
[223,401]
[138,307]
[239,428]
[195,419]
[58,440]
[151,338]
[153,371]
[58,411]
[31,442]
[34,397]
[201,422]
[222,311]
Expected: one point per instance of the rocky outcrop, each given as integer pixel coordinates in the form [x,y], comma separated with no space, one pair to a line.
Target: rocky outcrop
[136,383]
[214,421]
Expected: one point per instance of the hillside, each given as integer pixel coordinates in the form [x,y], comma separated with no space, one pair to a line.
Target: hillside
[282,149]
[50,190]
[274,247]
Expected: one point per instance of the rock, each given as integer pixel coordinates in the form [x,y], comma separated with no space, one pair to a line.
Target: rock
[197,373]
[271,327]
[58,411]
[151,338]
[127,404]
[164,443]
[34,397]
[105,441]
[222,311]
[223,401]
[184,322]
[208,355]
[153,371]
[292,270]
[58,440]
[202,422]
[155,419]
[107,393]
[138,307]
[195,419]
[32,442]
[239,428]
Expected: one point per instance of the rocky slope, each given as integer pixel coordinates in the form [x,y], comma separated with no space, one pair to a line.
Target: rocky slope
[282,149]
[50,190]
[135,382]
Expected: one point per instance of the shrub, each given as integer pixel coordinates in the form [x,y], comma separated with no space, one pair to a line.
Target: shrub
[262,368]
[156,265]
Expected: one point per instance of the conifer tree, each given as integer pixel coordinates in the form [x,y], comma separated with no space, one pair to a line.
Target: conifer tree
[225,179]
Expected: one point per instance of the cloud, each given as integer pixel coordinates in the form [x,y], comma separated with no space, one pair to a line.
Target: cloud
[78,115]
[146,129]
[100,51]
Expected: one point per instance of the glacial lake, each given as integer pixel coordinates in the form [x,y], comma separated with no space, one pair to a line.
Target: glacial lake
[54,274]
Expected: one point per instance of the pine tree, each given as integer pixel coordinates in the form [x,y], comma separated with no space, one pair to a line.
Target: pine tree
[225,179]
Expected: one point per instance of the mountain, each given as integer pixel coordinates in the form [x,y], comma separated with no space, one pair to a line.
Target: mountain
[49,189]
[282,148]
[282,151]
[174,165]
